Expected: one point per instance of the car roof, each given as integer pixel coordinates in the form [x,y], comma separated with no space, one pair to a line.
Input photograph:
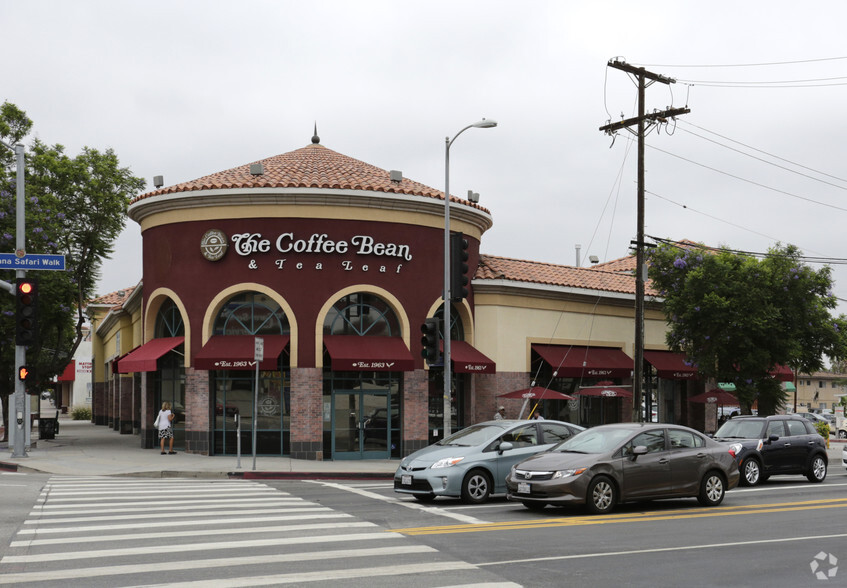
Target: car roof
[770,417]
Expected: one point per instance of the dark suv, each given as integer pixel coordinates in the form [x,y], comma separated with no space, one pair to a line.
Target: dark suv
[772,445]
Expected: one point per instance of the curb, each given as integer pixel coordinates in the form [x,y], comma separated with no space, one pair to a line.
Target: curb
[311,476]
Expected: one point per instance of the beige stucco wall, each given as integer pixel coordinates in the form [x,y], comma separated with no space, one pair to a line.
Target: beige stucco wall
[507,325]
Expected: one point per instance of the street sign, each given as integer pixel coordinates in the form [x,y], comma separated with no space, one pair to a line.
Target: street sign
[32,261]
[259,349]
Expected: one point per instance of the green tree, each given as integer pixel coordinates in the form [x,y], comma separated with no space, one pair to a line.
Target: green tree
[737,317]
[75,206]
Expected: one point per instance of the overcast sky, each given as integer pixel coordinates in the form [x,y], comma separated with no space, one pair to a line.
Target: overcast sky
[187,88]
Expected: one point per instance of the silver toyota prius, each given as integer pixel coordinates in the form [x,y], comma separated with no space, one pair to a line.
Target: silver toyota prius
[473,463]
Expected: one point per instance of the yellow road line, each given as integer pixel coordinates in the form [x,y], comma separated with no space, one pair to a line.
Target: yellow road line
[627,518]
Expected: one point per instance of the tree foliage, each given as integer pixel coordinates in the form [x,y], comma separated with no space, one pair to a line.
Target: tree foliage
[75,206]
[738,318]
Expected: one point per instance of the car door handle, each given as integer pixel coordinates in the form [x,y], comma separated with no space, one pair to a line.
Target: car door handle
[664,461]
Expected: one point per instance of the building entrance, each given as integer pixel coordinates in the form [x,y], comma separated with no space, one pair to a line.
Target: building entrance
[361,424]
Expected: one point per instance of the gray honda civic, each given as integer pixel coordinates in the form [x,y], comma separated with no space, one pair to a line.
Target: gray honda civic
[624,462]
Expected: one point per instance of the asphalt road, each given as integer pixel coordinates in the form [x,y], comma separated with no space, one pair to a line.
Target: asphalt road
[113,531]
[780,534]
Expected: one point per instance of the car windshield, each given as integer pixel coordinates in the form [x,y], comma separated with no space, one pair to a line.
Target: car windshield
[593,441]
[472,436]
[740,429]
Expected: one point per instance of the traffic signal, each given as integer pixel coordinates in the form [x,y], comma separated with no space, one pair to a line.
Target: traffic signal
[23,373]
[430,342]
[459,279]
[26,316]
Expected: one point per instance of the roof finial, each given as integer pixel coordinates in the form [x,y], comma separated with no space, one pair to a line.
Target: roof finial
[315,138]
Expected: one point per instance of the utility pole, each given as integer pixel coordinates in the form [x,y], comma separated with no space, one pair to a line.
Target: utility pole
[642,76]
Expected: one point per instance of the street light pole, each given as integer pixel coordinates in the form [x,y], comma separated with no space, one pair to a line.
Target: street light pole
[448,295]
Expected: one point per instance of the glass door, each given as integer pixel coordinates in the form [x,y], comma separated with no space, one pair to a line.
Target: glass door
[361,424]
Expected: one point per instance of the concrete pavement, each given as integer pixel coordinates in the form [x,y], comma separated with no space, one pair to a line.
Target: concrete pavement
[84,449]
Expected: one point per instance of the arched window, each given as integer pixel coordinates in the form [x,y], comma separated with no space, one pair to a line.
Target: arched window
[169,321]
[251,313]
[361,314]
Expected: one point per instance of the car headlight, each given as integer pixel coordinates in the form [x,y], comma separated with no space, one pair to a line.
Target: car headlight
[447,462]
[568,473]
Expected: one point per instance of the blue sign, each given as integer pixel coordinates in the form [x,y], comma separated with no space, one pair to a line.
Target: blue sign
[32,262]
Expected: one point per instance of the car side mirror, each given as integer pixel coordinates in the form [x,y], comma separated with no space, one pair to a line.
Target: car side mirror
[772,438]
[637,450]
[505,446]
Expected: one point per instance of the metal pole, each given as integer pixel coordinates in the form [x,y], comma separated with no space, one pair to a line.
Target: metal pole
[255,413]
[638,376]
[447,408]
[21,426]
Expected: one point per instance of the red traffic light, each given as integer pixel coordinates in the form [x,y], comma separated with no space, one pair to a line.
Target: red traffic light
[23,373]
[25,287]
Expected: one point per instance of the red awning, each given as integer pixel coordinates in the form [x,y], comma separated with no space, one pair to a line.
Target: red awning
[378,354]
[782,373]
[236,352]
[69,375]
[144,358]
[467,359]
[670,365]
[610,391]
[589,362]
[536,393]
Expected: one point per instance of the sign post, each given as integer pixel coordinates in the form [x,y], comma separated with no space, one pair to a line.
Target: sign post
[258,356]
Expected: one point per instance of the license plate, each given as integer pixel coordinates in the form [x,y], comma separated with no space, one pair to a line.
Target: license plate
[406,480]
[523,488]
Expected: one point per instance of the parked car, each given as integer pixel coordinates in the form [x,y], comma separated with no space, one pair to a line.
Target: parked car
[611,464]
[844,455]
[473,463]
[814,417]
[765,446]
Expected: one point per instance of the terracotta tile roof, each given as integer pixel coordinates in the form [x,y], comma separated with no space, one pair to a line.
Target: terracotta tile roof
[313,166]
[622,265]
[114,299]
[590,278]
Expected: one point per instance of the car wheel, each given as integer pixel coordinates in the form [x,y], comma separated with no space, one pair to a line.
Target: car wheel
[476,487]
[751,472]
[842,434]
[534,506]
[424,497]
[602,495]
[712,489]
[817,471]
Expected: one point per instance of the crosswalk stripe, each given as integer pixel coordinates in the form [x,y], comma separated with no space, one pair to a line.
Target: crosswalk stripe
[157,516]
[248,560]
[147,503]
[410,570]
[229,545]
[189,533]
[319,512]
[229,505]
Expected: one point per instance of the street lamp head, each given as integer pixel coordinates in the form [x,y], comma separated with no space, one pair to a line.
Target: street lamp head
[485,124]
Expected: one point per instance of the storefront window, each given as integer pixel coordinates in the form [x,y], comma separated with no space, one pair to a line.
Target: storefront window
[361,314]
[170,378]
[252,313]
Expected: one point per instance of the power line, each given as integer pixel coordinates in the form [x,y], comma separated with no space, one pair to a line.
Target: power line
[766,64]
[759,151]
[692,245]
[759,184]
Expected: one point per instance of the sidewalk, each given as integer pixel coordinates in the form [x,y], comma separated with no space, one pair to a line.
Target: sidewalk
[84,449]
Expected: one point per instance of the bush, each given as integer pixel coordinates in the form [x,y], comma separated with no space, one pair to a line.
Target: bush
[81,413]
[822,429]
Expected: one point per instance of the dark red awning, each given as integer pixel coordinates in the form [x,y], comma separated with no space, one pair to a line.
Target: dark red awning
[467,359]
[570,361]
[605,391]
[378,354]
[670,365]
[236,352]
[782,373]
[69,375]
[144,358]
